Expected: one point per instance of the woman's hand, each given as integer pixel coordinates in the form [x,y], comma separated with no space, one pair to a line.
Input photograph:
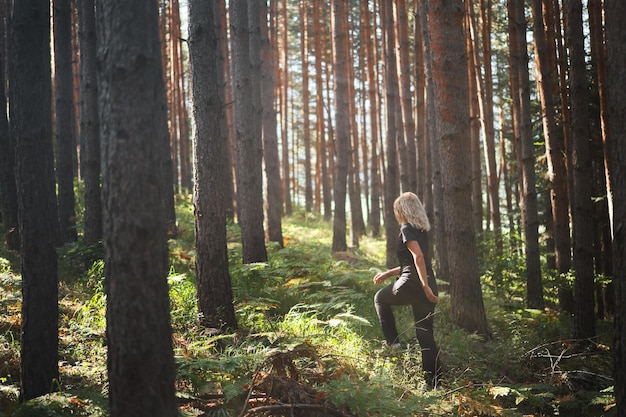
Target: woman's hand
[430,295]
[381,277]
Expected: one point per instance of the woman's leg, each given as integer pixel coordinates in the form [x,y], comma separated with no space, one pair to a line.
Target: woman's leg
[424,330]
[383,300]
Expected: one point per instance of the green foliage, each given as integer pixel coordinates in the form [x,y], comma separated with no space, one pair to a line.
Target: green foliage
[60,405]
[307,315]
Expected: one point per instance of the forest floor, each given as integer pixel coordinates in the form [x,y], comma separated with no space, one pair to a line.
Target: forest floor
[309,343]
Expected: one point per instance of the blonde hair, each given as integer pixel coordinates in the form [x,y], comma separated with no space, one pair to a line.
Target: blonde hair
[409,209]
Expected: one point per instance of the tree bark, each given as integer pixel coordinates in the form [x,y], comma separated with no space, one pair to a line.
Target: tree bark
[615,13]
[284,110]
[530,218]
[341,90]
[64,118]
[392,185]
[582,206]
[31,118]
[8,186]
[134,133]
[304,54]
[554,150]
[248,143]
[89,123]
[374,115]
[449,78]
[406,102]
[476,122]
[226,123]
[324,188]
[215,296]
[270,140]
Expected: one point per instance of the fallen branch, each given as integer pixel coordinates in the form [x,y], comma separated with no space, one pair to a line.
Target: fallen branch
[329,411]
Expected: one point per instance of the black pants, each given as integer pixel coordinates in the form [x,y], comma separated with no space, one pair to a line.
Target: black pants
[392,295]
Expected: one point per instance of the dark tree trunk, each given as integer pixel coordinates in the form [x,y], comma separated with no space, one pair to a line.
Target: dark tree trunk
[372,94]
[615,12]
[530,217]
[89,123]
[304,50]
[226,121]
[64,126]
[557,175]
[31,116]
[582,206]
[342,91]
[134,133]
[284,110]
[8,186]
[270,139]
[450,86]
[391,185]
[248,143]
[215,296]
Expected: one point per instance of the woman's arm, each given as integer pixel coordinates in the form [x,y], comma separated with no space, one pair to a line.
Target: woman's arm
[420,265]
[382,276]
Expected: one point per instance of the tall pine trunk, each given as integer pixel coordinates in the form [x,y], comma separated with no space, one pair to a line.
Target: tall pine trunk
[582,206]
[215,296]
[526,158]
[64,117]
[248,145]
[8,186]
[31,118]
[270,139]
[89,123]
[450,86]
[133,130]
[374,115]
[615,12]
[391,186]
[342,91]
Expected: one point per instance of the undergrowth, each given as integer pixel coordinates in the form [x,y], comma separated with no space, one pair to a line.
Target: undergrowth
[307,326]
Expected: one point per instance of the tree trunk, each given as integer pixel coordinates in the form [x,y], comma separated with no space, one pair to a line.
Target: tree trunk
[342,91]
[248,143]
[530,217]
[603,208]
[31,118]
[357,226]
[134,134]
[406,102]
[476,116]
[449,78]
[270,140]
[434,195]
[615,13]
[554,150]
[64,112]
[284,110]
[304,49]
[322,188]
[215,296]
[89,123]
[8,186]
[372,94]
[582,206]
[226,123]
[391,187]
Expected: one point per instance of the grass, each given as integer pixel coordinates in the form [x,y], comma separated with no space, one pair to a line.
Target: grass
[307,317]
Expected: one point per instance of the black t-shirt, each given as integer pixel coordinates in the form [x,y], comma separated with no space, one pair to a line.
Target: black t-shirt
[408,273]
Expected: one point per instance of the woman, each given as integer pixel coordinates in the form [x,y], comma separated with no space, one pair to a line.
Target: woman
[415,285]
